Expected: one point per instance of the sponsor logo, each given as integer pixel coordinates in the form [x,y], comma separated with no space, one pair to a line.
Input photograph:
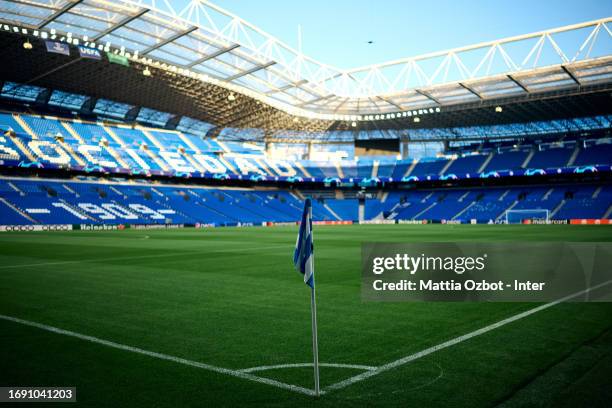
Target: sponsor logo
[450,222]
[412,221]
[202,225]
[540,222]
[156,226]
[96,227]
[51,227]
[590,221]
[280,224]
[87,52]
[57,48]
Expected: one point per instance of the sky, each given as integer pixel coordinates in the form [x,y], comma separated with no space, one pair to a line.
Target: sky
[337,32]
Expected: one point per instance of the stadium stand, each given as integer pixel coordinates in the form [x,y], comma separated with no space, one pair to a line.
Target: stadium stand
[579,146]
[50,141]
[138,148]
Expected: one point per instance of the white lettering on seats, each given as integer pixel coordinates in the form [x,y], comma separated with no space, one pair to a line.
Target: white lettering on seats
[119,211]
[86,150]
[246,166]
[70,210]
[134,155]
[61,156]
[175,161]
[97,210]
[7,152]
[210,164]
[143,209]
[282,168]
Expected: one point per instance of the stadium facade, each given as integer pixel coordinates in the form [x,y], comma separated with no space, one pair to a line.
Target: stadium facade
[125,113]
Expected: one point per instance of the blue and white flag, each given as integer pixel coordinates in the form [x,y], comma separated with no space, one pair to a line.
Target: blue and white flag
[303,257]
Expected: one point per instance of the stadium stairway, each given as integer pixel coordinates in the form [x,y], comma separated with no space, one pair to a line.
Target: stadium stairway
[14,215]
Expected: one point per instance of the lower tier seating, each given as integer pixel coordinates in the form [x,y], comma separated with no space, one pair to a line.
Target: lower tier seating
[39,201]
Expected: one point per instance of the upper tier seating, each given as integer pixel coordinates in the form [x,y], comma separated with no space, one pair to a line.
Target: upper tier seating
[466,164]
[554,157]
[508,160]
[121,148]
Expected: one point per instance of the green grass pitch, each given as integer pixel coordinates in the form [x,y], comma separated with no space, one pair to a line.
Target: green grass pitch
[230,298]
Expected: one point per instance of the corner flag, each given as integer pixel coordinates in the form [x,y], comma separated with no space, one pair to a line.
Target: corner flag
[303,259]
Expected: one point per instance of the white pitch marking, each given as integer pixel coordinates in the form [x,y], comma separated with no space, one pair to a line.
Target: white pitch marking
[457,340]
[126,258]
[179,360]
[299,365]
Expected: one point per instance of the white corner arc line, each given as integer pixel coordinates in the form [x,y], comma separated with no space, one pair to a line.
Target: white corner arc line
[300,365]
[457,340]
[161,356]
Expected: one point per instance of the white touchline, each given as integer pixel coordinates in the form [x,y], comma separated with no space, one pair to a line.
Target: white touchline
[457,340]
[124,347]
[127,258]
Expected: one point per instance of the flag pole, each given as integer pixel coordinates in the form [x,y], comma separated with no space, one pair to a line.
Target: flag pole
[315,341]
[315,345]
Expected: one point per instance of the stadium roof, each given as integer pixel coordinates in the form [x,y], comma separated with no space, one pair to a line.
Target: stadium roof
[218,48]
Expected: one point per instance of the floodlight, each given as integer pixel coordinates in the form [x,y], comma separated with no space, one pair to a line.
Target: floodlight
[498,109]
[27,45]
[417,119]
[146,72]
[354,124]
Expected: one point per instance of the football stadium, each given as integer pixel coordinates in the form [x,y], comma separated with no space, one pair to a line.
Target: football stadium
[158,160]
